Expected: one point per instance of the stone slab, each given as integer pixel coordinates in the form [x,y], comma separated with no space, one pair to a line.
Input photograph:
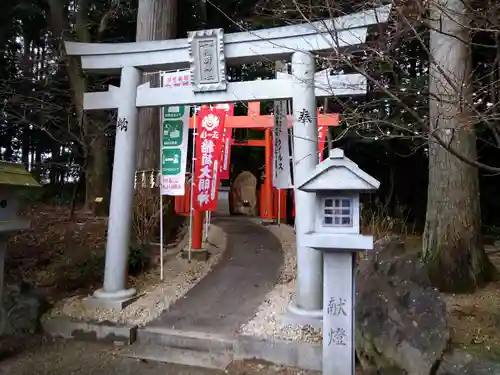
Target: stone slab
[189,348]
[302,355]
[200,341]
[157,353]
[288,353]
[93,303]
[68,328]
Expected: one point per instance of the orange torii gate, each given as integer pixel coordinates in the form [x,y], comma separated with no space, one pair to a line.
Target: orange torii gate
[254,120]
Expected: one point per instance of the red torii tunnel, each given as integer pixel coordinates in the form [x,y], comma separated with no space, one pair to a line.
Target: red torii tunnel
[268,196]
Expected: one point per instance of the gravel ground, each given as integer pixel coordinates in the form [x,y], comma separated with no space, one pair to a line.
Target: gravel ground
[46,356]
[268,322]
[179,277]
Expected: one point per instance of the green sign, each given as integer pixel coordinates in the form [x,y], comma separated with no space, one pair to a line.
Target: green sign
[172,132]
[173,112]
[170,161]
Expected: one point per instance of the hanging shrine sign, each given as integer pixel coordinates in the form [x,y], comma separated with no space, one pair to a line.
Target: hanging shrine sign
[175,129]
[210,124]
[227,135]
[281,165]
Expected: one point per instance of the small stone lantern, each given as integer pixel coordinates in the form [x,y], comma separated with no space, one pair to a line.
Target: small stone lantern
[13,180]
[337,183]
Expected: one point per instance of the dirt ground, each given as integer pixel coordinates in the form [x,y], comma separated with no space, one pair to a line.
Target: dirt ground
[46,356]
[61,256]
[475,318]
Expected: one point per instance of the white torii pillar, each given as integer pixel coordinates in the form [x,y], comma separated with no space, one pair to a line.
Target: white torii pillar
[278,44]
[305,158]
[114,290]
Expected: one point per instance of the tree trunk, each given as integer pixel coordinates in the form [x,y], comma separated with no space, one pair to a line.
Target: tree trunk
[55,170]
[156,20]
[452,243]
[37,167]
[26,147]
[93,142]
[97,176]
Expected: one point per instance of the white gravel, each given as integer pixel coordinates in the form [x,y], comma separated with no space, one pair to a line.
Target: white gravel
[180,276]
[268,322]
[156,296]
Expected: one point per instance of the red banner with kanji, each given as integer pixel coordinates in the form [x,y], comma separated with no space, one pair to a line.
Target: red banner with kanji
[321,141]
[210,126]
[227,135]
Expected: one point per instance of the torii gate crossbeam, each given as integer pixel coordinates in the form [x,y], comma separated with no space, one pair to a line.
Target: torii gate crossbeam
[278,43]
[297,42]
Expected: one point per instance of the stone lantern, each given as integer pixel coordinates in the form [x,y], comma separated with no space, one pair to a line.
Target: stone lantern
[337,183]
[14,179]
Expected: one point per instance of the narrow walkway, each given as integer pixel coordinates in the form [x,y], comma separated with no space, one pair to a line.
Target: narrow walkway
[230,295]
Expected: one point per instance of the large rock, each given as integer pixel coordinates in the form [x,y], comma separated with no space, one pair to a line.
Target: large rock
[22,309]
[244,194]
[401,324]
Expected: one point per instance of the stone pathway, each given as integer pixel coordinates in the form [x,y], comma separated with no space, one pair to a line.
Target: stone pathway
[46,356]
[230,295]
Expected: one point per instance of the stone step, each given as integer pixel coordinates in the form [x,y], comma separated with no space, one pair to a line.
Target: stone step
[173,338]
[158,353]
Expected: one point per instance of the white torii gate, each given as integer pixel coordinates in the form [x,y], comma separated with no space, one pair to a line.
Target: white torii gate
[210,86]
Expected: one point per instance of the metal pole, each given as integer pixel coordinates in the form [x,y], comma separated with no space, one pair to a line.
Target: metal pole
[191,193]
[309,284]
[279,207]
[207,224]
[209,220]
[205,227]
[289,111]
[161,183]
[161,235]
[122,191]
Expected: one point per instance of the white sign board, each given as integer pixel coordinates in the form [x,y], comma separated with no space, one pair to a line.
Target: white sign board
[175,130]
[281,160]
[207,60]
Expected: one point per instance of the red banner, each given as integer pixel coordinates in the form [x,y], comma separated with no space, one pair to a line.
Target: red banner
[321,141]
[226,142]
[210,126]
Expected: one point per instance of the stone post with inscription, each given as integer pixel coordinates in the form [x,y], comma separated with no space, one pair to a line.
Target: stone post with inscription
[336,184]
